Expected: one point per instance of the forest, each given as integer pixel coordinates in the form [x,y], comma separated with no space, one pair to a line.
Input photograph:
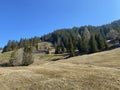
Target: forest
[84,39]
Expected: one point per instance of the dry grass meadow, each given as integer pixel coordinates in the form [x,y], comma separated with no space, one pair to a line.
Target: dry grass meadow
[99,71]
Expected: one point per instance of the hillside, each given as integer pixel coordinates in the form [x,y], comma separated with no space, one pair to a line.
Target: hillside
[99,71]
[108,32]
[75,32]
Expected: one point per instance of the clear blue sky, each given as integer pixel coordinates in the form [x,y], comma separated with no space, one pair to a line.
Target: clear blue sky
[28,18]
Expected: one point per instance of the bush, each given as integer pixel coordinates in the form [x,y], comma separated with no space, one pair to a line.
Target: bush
[16,58]
[27,56]
[22,57]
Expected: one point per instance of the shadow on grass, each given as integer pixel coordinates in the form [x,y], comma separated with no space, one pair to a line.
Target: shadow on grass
[5,65]
[56,59]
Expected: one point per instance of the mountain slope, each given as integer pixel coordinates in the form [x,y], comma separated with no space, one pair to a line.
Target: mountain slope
[75,31]
[108,31]
[99,71]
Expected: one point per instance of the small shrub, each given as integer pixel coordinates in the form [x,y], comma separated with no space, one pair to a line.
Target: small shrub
[27,56]
[16,58]
[22,57]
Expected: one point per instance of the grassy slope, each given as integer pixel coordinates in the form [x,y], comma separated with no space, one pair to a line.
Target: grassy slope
[99,71]
[4,57]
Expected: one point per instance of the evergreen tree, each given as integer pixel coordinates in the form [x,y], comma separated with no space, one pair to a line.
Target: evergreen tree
[93,45]
[63,48]
[85,45]
[27,56]
[14,45]
[86,34]
[21,43]
[56,48]
[71,48]
[79,45]
[100,41]
[36,40]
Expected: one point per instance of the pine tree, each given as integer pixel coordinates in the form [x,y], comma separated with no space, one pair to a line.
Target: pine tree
[56,48]
[86,34]
[14,45]
[27,56]
[21,43]
[63,48]
[100,41]
[71,48]
[79,45]
[85,40]
[36,40]
[93,45]
[85,47]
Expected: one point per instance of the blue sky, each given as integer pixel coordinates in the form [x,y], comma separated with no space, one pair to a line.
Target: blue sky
[29,18]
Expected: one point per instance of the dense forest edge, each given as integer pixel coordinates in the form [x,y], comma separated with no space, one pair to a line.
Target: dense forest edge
[75,41]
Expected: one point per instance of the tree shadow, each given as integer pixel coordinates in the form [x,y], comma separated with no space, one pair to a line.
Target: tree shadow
[56,59]
[6,65]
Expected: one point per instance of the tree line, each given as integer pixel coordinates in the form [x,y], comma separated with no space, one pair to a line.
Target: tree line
[83,45]
[13,45]
[63,38]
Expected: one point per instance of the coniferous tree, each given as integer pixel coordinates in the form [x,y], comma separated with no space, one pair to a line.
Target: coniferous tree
[71,48]
[56,48]
[63,48]
[86,34]
[85,45]
[100,41]
[27,56]
[14,45]
[85,40]
[79,45]
[21,43]
[93,45]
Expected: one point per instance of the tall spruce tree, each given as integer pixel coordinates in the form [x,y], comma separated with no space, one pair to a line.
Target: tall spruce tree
[85,45]
[79,44]
[56,48]
[100,41]
[93,45]
[27,56]
[21,43]
[71,48]
[85,40]
[63,48]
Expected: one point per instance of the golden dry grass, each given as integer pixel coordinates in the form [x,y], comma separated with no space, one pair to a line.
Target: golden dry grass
[99,71]
[5,57]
